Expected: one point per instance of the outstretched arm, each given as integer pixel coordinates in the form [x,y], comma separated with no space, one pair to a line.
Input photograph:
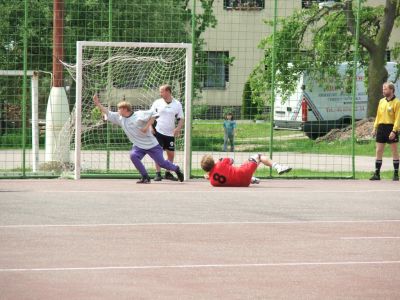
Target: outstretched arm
[149,123]
[96,101]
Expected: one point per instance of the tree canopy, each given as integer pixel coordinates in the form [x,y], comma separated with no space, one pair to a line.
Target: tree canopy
[318,39]
[132,21]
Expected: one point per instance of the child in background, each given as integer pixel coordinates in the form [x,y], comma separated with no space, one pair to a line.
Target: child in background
[229,131]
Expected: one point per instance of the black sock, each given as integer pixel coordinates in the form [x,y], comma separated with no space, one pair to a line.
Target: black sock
[158,173]
[378,165]
[396,166]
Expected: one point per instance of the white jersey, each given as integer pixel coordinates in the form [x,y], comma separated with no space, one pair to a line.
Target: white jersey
[132,125]
[168,113]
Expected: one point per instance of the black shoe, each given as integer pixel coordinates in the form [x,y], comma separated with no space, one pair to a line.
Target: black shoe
[169,176]
[144,180]
[375,177]
[158,177]
[395,177]
[180,175]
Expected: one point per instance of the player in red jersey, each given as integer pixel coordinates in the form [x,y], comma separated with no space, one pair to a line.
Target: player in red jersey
[224,173]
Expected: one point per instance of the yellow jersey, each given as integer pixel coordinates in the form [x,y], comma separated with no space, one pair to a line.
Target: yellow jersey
[388,113]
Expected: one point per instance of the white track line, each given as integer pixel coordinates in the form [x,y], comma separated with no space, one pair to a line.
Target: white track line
[294,264]
[198,223]
[211,190]
[370,237]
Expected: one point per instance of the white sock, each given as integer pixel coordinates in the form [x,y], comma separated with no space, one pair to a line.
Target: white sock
[275,165]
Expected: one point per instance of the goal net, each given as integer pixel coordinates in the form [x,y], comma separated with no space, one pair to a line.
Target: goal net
[131,72]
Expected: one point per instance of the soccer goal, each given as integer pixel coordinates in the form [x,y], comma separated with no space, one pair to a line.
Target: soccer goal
[132,72]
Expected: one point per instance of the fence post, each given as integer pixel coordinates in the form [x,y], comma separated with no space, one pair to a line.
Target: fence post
[271,130]
[24,79]
[354,87]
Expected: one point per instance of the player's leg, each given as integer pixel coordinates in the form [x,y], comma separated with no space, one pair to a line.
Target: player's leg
[160,140]
[247,171]
[158,176]
[225,142]
[395,155]
[170,155]
[136,156]
[156,153]
[380,147]
[170,150]
[231,139]
[382,137]
[255,160]
[281,169]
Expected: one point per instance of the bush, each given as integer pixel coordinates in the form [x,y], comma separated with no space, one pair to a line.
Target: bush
[261,117]
[199,111]
[249,108]
[95,114]
[227,110]
[13,139]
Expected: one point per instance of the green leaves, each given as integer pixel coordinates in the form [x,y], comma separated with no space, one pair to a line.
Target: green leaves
[316,41]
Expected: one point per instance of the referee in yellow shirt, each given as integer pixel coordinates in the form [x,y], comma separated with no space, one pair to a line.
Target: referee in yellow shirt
[386,127]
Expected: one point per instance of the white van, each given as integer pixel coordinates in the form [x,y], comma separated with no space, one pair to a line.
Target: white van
[317,109]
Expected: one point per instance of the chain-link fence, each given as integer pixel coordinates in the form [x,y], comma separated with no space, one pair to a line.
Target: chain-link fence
[285,78]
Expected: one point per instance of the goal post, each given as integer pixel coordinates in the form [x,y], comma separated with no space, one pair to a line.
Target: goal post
[125,71]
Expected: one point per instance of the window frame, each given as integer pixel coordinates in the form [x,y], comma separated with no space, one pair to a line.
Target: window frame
[206,76]
[244,4]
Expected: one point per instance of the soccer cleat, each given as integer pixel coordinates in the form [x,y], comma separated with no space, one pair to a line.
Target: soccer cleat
[396,177]
[179,174]
[376,176]
[158,177]
[283,169]
[169,176]
[254,180]
[144,180]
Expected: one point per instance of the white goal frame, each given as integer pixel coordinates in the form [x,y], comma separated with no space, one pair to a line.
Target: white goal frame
[188,95]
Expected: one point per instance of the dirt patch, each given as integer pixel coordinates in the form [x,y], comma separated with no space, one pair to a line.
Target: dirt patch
[362,132]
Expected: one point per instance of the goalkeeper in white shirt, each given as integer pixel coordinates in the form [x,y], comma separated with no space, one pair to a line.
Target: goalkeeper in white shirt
[168,126]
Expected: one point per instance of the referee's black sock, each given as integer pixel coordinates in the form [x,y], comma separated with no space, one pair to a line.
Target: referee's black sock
[378,165]
[396,166]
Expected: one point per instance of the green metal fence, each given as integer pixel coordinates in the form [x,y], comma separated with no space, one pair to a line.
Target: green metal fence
[291,73]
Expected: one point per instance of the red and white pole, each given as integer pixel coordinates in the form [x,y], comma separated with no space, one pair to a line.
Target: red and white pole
[57,114]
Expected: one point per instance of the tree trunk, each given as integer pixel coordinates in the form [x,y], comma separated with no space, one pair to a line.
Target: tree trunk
[377,75]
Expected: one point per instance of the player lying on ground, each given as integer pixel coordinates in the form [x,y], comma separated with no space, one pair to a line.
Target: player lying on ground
[224,173]
[136,126]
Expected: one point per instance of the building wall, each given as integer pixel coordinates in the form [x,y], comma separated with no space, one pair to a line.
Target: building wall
[240,32]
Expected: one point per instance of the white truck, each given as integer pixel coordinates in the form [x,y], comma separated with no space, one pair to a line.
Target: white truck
[316,108]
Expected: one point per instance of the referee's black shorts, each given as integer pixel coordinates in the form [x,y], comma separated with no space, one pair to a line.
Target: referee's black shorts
[383,132]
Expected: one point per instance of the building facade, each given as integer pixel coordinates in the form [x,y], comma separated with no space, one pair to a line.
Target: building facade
[233,45]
